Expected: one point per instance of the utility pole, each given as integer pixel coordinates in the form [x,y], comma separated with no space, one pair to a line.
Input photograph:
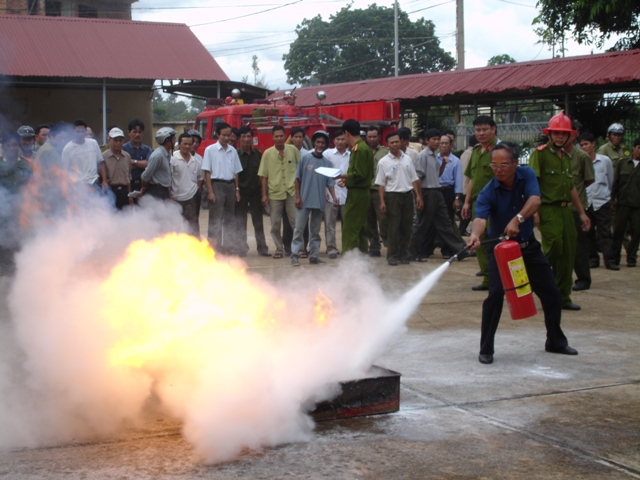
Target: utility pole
[460,33]
[459,46]
[395,32]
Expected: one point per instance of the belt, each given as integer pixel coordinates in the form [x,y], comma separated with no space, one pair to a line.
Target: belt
[558,204]
[158,185]
[525,244]
[118,186]
[434,188]
[222,181]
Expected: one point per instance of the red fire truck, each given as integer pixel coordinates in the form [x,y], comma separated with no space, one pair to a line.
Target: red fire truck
[262,115]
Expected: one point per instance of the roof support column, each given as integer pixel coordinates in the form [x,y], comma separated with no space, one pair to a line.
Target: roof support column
[104,110]
[567,108]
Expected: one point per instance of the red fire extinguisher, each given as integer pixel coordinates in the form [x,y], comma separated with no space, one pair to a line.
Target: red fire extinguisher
[514,280]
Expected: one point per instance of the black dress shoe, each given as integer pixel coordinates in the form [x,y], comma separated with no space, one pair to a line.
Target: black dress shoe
[562,351]
[374,254]
[405,262]
[571,306]
[480,274]
[479,288]
[580,286]
[631,264]
[613,266]
[393,263]
[594,263]
[487,359]
[265,254]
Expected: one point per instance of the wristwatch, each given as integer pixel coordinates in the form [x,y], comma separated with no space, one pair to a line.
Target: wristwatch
[520,218]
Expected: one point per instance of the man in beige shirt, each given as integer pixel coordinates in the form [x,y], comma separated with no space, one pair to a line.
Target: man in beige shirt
[118,167]
[277,174]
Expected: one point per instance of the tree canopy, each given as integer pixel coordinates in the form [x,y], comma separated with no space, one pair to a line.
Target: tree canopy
[592,22]
[358,45]
[501,60]
[169,109]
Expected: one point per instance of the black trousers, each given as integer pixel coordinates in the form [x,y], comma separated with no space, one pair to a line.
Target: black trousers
[399,223]
[581,261]
[122,195]
[600,234]
[543,285]
[250,203]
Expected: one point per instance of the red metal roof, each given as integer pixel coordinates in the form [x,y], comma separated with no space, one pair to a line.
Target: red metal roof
[102,48]
[600,69]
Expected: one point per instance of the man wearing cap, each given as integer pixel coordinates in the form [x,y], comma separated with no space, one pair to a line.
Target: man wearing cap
[615,148]
[82,158]
[27,142]
[552,166]
[626,193]
[358,182]
[118,166]
[511,199]
[311,190]
[156,178]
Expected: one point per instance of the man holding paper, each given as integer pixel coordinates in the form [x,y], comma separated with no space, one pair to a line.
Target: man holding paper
[311,186]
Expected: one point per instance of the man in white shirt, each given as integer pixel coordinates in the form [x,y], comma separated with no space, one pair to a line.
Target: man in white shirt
[396,179]
[599,205]
[82,158]
[339,158]
[186,182]
[221,166]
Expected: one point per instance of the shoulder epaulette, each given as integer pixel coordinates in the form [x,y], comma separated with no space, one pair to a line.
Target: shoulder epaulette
[355,148]
[541,147]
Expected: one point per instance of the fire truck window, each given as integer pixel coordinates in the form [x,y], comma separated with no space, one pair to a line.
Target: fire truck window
[201,126]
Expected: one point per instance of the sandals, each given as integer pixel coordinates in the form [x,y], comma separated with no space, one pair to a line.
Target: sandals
[421,259]
[277,255]
[304,254]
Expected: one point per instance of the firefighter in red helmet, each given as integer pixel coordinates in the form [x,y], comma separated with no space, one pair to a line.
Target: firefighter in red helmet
[552,166]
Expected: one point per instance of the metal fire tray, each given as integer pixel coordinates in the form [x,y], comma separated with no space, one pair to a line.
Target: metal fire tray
[373,395]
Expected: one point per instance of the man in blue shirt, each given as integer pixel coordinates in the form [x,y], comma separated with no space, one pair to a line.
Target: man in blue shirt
[138,151]
[311,188]
[511,199]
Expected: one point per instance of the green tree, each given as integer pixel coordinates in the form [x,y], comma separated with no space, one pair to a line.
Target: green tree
[258,81]
[501,60]
[358,45]
[591,22]
[169,108]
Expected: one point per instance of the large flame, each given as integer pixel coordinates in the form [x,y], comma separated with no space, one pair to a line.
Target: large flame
[180,293]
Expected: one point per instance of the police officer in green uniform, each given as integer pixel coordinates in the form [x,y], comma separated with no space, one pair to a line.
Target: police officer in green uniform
[480,173]
[552,166]
[358,182]
[615,148]
[626,193]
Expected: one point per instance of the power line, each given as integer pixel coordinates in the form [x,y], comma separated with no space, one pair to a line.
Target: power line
[247,15]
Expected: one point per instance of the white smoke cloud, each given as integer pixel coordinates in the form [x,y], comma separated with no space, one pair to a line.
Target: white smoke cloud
[234,388]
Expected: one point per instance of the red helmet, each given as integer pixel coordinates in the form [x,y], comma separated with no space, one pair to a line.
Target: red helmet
[559,123]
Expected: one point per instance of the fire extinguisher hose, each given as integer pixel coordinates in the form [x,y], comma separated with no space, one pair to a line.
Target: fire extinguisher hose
[485,242]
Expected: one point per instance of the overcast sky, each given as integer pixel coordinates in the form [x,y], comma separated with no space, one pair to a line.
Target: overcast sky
[233,31]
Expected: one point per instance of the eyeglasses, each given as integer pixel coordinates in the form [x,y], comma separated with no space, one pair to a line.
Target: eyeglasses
[502,166]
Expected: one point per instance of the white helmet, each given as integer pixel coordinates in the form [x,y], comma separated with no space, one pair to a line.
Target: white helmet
[164,134]
[616,128]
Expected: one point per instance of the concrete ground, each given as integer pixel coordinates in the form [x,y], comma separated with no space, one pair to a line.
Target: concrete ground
[529,415]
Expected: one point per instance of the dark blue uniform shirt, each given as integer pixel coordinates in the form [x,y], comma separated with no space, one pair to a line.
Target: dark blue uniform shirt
[501,204]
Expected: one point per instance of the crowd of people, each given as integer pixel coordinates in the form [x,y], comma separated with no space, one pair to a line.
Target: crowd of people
[410,197]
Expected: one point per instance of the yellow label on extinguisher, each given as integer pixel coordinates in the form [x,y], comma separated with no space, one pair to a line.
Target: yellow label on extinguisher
[519,276]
